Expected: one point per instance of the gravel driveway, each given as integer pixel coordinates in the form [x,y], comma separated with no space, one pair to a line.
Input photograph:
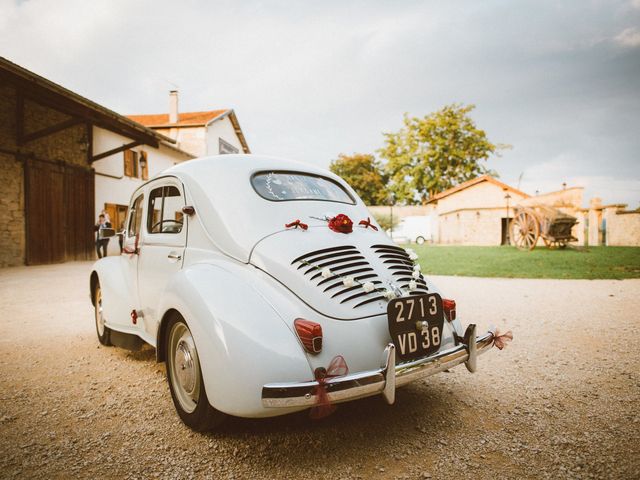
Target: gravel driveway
[560,402]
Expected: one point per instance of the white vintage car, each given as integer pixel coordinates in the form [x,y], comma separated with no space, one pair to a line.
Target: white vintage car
[251,275]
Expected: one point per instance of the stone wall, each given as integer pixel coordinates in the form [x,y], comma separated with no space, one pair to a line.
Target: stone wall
[66,146]
[622,227]
[12,229]
[472,227]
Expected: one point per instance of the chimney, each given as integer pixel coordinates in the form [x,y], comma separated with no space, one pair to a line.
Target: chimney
[173,106]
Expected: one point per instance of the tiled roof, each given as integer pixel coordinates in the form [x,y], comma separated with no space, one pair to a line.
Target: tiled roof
[185,119]
[475,181]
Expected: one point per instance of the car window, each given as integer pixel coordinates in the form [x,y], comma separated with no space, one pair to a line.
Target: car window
[287,186]
[165,210]
[135,217]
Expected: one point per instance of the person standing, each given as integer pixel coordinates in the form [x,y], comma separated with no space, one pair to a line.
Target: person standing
[101,243]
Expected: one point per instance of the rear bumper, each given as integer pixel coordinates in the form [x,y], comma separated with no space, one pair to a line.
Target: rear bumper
[384,380]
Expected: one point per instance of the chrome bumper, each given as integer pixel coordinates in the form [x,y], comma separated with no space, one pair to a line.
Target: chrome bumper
[384,380]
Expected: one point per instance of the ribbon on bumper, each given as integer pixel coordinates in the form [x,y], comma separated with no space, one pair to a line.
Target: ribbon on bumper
[367,224]
[500,340]
[296,224]
[323,407]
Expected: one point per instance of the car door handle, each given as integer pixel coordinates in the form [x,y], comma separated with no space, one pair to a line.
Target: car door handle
[174,256]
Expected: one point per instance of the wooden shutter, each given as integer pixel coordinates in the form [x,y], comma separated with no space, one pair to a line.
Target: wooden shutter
[128,163]
[112,211]
[144,169]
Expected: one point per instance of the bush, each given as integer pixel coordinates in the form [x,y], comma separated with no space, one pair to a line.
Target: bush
[384,219]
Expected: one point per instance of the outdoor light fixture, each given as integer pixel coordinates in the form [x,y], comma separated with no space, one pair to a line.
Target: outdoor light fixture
[143,160]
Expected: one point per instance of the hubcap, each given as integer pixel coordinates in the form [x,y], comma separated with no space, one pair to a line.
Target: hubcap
[184,371]
[185,367]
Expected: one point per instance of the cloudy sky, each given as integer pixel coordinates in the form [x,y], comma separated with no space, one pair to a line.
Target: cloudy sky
[560,81]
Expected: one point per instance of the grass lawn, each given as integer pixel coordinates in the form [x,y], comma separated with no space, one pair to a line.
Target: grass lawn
[590,263]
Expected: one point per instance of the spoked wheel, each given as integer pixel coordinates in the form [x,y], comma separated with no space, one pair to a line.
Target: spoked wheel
[104,333]
[185,379]
[525,231]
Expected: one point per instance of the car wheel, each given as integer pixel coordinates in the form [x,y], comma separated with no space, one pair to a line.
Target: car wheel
[420,240]
[104,333]
[185,379]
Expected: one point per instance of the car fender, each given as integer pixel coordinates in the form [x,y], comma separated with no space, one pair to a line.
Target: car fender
[242,341]
[118,293]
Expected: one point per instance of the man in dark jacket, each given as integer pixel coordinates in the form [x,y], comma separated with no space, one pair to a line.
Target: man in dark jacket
[101,243]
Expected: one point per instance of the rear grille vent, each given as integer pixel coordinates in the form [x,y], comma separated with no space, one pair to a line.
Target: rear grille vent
[397,261]
[342,261]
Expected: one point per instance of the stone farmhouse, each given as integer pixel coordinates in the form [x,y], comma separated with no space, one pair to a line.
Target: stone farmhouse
[480,212]
[476,212]
[64,159]
[211,132]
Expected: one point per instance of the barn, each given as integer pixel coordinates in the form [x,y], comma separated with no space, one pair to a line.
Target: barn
[476,212]
[47,154]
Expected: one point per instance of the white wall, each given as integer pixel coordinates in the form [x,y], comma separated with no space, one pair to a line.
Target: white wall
[222,129]
[117,188]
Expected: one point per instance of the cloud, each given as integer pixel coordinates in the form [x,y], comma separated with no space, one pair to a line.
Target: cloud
[629,37]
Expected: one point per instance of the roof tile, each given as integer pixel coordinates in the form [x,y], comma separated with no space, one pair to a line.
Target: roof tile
[185,119]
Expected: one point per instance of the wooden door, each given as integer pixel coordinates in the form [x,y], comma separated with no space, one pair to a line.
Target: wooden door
[79,212]
[44,191]
[59,209]
[118,215]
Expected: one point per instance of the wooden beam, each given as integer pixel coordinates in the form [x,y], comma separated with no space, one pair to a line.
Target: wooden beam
[113,151]
[89,127]
[50,130]
[19,117]
[108,120]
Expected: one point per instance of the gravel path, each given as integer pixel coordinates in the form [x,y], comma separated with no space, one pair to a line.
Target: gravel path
[560,402]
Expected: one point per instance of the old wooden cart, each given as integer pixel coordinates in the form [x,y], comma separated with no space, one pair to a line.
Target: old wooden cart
[535,221]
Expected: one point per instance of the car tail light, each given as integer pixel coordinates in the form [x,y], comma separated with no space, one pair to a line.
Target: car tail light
[449,308]
[310,334]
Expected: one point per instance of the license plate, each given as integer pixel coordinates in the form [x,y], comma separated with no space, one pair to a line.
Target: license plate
[415,325]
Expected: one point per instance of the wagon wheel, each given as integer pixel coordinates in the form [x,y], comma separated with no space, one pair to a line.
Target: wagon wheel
[525,231]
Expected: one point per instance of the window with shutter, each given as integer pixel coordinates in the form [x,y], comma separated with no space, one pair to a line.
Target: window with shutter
[128,163]
[131,167]
[144,165]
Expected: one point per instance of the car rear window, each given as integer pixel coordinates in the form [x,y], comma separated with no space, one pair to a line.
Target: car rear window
[288,186]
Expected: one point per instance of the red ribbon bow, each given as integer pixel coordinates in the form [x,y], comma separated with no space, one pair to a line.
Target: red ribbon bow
[500,340]
[323,407]
[341,224]
[296,224]
[367,223]
[135,250]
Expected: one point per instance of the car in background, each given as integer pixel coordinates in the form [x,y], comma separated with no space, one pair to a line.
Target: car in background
[414,228]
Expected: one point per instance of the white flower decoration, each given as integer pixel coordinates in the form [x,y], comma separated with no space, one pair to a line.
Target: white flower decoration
[326,272]
[348,282]
[389,294]
[412,255]
[415,274]
[417,267]
[368,287]
[412,285]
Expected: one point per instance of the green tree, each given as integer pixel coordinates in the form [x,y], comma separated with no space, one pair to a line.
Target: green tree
[365,175]
[430,154]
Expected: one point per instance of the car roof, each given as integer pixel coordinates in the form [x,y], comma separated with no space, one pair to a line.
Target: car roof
[234,215]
